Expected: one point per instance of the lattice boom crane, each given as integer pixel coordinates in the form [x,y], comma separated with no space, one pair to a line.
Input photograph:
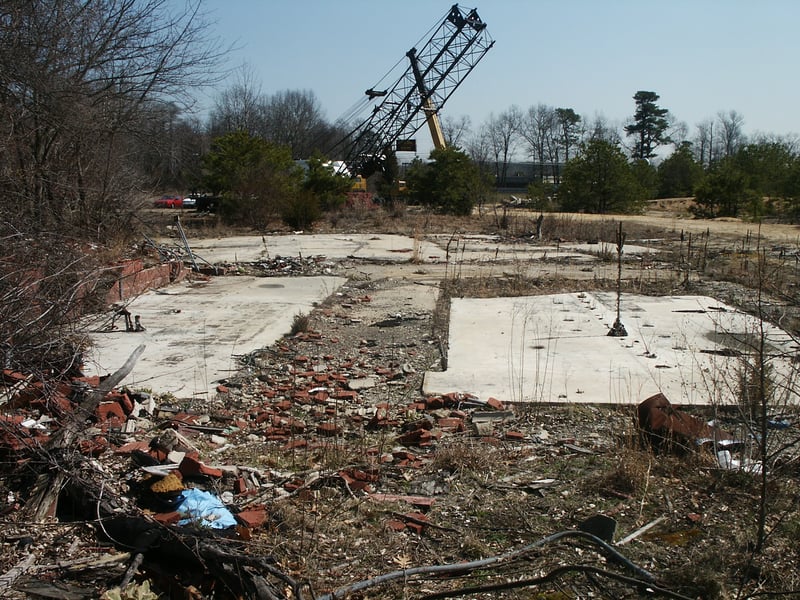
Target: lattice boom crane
[433,73]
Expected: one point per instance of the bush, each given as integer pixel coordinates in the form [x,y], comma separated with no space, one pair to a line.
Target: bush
[300,323]
[300,211]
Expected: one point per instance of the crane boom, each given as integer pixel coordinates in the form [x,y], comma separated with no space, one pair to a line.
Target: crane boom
[428,108]
[434,72]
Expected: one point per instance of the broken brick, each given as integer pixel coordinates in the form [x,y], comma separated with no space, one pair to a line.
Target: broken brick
[296,444]
[662,425]
[253,518]
[283,405]
[239,485]
[371,475]
[261,417]
[452,424]
[94,447]
[190,467]
[403,455]
[495,404]
[12,377]
[415,527]
[395,525]
[328,429]
[359,486]
[301,396]
[170,518]
[434,402]
[418,437]
[107,410]
[122,399]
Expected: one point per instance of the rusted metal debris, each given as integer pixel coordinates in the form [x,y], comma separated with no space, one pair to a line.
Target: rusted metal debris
[664,427]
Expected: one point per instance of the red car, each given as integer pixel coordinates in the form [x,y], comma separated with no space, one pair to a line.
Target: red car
[169,202]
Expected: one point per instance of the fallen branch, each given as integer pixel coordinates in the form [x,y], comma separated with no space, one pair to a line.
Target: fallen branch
[82,564]
[132,568]
[467,567]
[648,588]
[8,578]
[640,531]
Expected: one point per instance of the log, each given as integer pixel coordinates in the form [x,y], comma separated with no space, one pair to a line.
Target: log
[8,578]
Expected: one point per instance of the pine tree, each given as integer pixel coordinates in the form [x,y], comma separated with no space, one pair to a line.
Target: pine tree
[650,125]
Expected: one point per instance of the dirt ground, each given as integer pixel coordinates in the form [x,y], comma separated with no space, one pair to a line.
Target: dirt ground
[368,489]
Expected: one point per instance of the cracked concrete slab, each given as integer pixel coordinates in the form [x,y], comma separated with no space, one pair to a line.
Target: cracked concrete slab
[555,349]
[385,247]
[194,331]
[398,248]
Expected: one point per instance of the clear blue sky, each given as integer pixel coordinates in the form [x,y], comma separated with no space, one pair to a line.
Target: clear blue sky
[700,56]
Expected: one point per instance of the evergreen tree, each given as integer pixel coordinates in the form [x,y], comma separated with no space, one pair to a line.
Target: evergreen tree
[257,179]
[723,193]
[600,180]
[649,125]
[450,184]
[679,174]
[327,186]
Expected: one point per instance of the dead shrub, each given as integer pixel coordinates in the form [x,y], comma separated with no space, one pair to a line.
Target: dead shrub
[461,456]
[629,473]
[300,323]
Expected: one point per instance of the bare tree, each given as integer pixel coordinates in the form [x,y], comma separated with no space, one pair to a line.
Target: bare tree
[479,147]
[600,129]
[294,118]
[704,142]
[79,82]
[503,132]
[240,107]
[456,129]
[731,133]
[76,76]
[678,131]
[538,129]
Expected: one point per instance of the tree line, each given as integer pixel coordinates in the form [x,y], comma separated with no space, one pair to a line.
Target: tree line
[97,115]
[583,164]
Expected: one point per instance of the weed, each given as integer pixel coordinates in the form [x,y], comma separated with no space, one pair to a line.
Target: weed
[300,323]
[461,456]
[629,473]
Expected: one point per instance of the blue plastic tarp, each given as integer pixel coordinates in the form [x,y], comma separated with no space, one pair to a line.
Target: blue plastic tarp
[205,509]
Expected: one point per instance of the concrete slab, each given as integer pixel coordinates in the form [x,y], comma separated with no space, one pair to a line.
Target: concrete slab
[398,248]
[384,247]
[556,349]
[488,248]
[194,331]
[406,300]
